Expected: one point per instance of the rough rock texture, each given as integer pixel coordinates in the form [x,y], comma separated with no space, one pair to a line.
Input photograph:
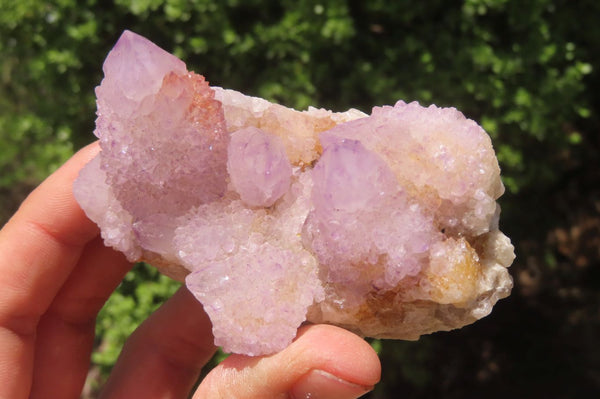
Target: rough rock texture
[384,224]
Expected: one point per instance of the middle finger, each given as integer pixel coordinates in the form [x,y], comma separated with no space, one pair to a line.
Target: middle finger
[164,356]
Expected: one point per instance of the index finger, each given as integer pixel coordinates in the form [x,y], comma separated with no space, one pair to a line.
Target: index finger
[42,242]
[39,247]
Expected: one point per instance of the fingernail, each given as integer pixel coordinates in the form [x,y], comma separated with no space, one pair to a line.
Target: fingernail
[318,384]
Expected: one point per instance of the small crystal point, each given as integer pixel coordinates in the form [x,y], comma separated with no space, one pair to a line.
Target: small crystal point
[348,177]
[258,166]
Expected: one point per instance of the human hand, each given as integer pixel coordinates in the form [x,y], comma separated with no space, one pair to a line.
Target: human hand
[55,275]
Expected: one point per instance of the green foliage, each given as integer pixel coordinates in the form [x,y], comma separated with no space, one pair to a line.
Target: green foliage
[142,291]
[47,149]
[519,68]
[528,71]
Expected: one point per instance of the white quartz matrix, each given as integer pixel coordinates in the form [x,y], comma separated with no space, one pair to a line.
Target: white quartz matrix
[386,224]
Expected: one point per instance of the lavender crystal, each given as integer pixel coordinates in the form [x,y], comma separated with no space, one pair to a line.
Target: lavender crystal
[384,224]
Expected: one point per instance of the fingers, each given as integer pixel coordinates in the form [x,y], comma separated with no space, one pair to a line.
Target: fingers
[323,362]
[41,244]
[52,288]
[39,247]
[164,356]
[65,333]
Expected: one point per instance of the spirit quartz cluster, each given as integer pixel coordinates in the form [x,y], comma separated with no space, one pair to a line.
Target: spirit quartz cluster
[384,224]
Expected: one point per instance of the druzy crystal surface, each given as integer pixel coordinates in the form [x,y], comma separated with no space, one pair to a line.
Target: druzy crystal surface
[384,224]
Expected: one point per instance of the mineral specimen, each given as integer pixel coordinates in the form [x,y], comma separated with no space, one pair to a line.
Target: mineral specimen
[384,224]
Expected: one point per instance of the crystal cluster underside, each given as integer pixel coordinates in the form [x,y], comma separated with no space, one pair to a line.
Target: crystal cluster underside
[385,224]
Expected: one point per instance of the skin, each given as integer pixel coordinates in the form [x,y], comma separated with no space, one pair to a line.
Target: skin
[55,275]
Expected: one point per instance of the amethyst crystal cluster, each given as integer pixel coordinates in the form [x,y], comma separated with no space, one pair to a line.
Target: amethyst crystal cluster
[384,224]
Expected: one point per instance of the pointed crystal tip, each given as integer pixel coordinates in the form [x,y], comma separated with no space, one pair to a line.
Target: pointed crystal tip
[137,66]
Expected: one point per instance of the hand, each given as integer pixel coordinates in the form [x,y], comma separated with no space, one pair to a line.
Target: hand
[55,275]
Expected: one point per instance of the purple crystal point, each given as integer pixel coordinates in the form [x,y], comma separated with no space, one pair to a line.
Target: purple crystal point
[161,133]
[136,66]
[258,166]
[364,229]
[173,138]
[350,178]
[436,154]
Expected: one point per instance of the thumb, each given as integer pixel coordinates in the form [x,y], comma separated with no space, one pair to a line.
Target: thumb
[323,362]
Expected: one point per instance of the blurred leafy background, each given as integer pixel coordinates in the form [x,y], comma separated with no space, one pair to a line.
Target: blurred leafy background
[528,71]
